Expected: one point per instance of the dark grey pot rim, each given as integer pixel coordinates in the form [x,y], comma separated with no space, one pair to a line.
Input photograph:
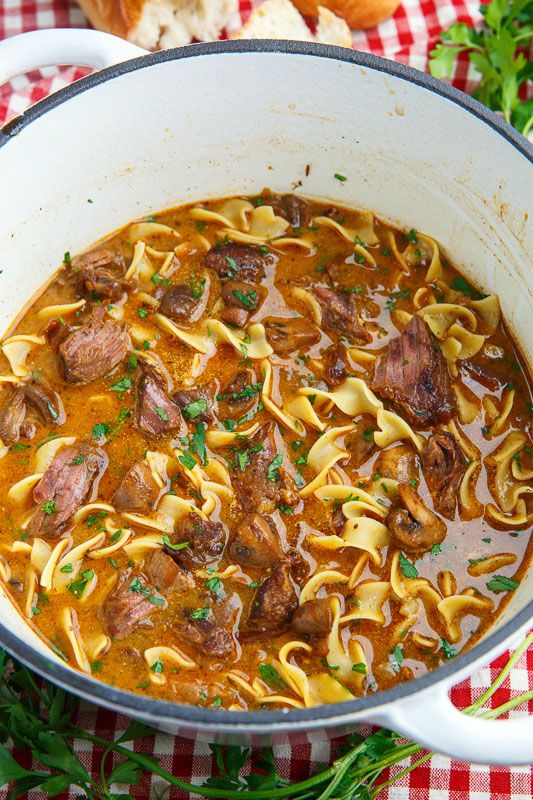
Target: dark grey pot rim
[209,718]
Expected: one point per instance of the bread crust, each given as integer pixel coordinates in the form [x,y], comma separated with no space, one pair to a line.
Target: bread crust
[120,17]
[357,13]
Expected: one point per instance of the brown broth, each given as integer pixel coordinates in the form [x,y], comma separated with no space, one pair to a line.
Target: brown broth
[380,291]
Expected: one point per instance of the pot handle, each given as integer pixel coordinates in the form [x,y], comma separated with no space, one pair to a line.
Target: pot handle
[430,718]
[55,46]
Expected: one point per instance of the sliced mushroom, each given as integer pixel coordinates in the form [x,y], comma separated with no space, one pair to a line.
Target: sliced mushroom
[412,524]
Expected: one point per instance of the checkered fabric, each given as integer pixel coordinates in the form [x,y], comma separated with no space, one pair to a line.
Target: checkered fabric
[407,37]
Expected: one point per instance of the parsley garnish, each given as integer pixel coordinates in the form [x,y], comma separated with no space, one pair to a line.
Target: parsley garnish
[161,413]
[273,468]
[341,178]
[500,583]
[136,586]
[49,507]
[200,613]
[194,409]
[407,567]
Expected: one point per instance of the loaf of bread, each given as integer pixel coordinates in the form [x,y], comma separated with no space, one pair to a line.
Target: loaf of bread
[357,13]
[279,19]
[159,24]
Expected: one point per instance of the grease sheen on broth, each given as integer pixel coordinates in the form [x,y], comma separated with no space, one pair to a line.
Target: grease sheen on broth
[420,535]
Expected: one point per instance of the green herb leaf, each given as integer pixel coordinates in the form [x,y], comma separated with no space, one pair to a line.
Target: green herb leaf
[448,651]
[500,583]
[273,468]
[200,613]
[100,430]
[176,547]
[271,676]
[407,567]
[194,409]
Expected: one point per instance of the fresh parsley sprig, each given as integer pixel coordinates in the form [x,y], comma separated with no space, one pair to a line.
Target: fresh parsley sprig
[39,717]
[498,52]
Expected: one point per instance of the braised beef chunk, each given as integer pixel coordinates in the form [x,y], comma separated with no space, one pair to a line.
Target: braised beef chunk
[255,542]
[443,466]
[338,521]
[399,463]
[138,490]
[297,211]
[360,442]
[313,618]
[130,602]
[94,350]
[273,604]
[412,373]
[242,295]
[196,405]
[205,542]
[155,412]
[241,261]
[213,639]
[48,404]
[180,304]
[290,335]
[413,526]
[55,331]
[12,415]
[99,274]
[239,396]
[336,359]
[42,398]
[298,565]
[70,481]
[340,314]
[259,480]
[166,575]
[485,373]
[236,317]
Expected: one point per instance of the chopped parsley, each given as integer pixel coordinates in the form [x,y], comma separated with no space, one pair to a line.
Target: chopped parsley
[248,300]
[124,385]
[412,236]
[360,667]
[200,613]
[187,460]
[407,567]
[178,546]
[271,676]
[194,409]
[66,568]
[142,312]
[197,287]
[341,178]
[136,586]
[273,468]
[78,460]
[161,413]
[214,585]
[500,583]
[461,285]
[448,651]
[49,507]
[396,658]
[77,587]
[157,666]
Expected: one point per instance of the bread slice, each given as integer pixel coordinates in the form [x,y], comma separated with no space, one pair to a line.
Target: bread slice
[279,19]
[357,13]
[159,24]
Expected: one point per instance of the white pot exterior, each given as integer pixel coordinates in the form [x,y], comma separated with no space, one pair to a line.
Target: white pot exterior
[232,118]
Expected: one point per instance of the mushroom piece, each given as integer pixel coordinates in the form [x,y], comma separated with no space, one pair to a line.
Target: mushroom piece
[412,524]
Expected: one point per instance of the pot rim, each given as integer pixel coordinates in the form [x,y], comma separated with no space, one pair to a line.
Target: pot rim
[282,720]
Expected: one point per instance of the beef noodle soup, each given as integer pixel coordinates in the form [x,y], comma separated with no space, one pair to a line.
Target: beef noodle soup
[262,452]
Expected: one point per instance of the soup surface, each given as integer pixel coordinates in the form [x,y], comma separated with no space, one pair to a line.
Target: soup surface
[262,452]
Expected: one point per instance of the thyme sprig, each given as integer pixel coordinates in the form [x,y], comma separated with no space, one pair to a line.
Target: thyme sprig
[40,717]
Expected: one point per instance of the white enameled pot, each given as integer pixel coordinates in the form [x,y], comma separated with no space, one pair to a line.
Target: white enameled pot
[230,118]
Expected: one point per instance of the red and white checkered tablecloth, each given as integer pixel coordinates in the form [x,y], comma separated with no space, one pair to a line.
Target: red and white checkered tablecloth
[407,37]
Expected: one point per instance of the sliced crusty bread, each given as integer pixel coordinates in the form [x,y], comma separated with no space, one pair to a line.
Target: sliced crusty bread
[158,24]
[279,19]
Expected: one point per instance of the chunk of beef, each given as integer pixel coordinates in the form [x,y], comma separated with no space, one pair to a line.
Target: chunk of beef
[70,480]
[260,484]
[100,273]
[413,375]
[273,604]
[241,301]
[290,335]
[255,543]
[399,463]
[238,396]
[166,575]
[47,402]
[338,521]
[138,490]
[94,350]
[242,261]
[242,295]
[42,398]
[298,566]
[340,314]
[313,618]
[237,317]
[443,466]
[205,542]
[131,601]
[413,526]
[155,412]
[210,637]
[360,442]
[12,415]
[180,304]
[484,372]
[196,404]
[297,211]
[336,359]
[55,331]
